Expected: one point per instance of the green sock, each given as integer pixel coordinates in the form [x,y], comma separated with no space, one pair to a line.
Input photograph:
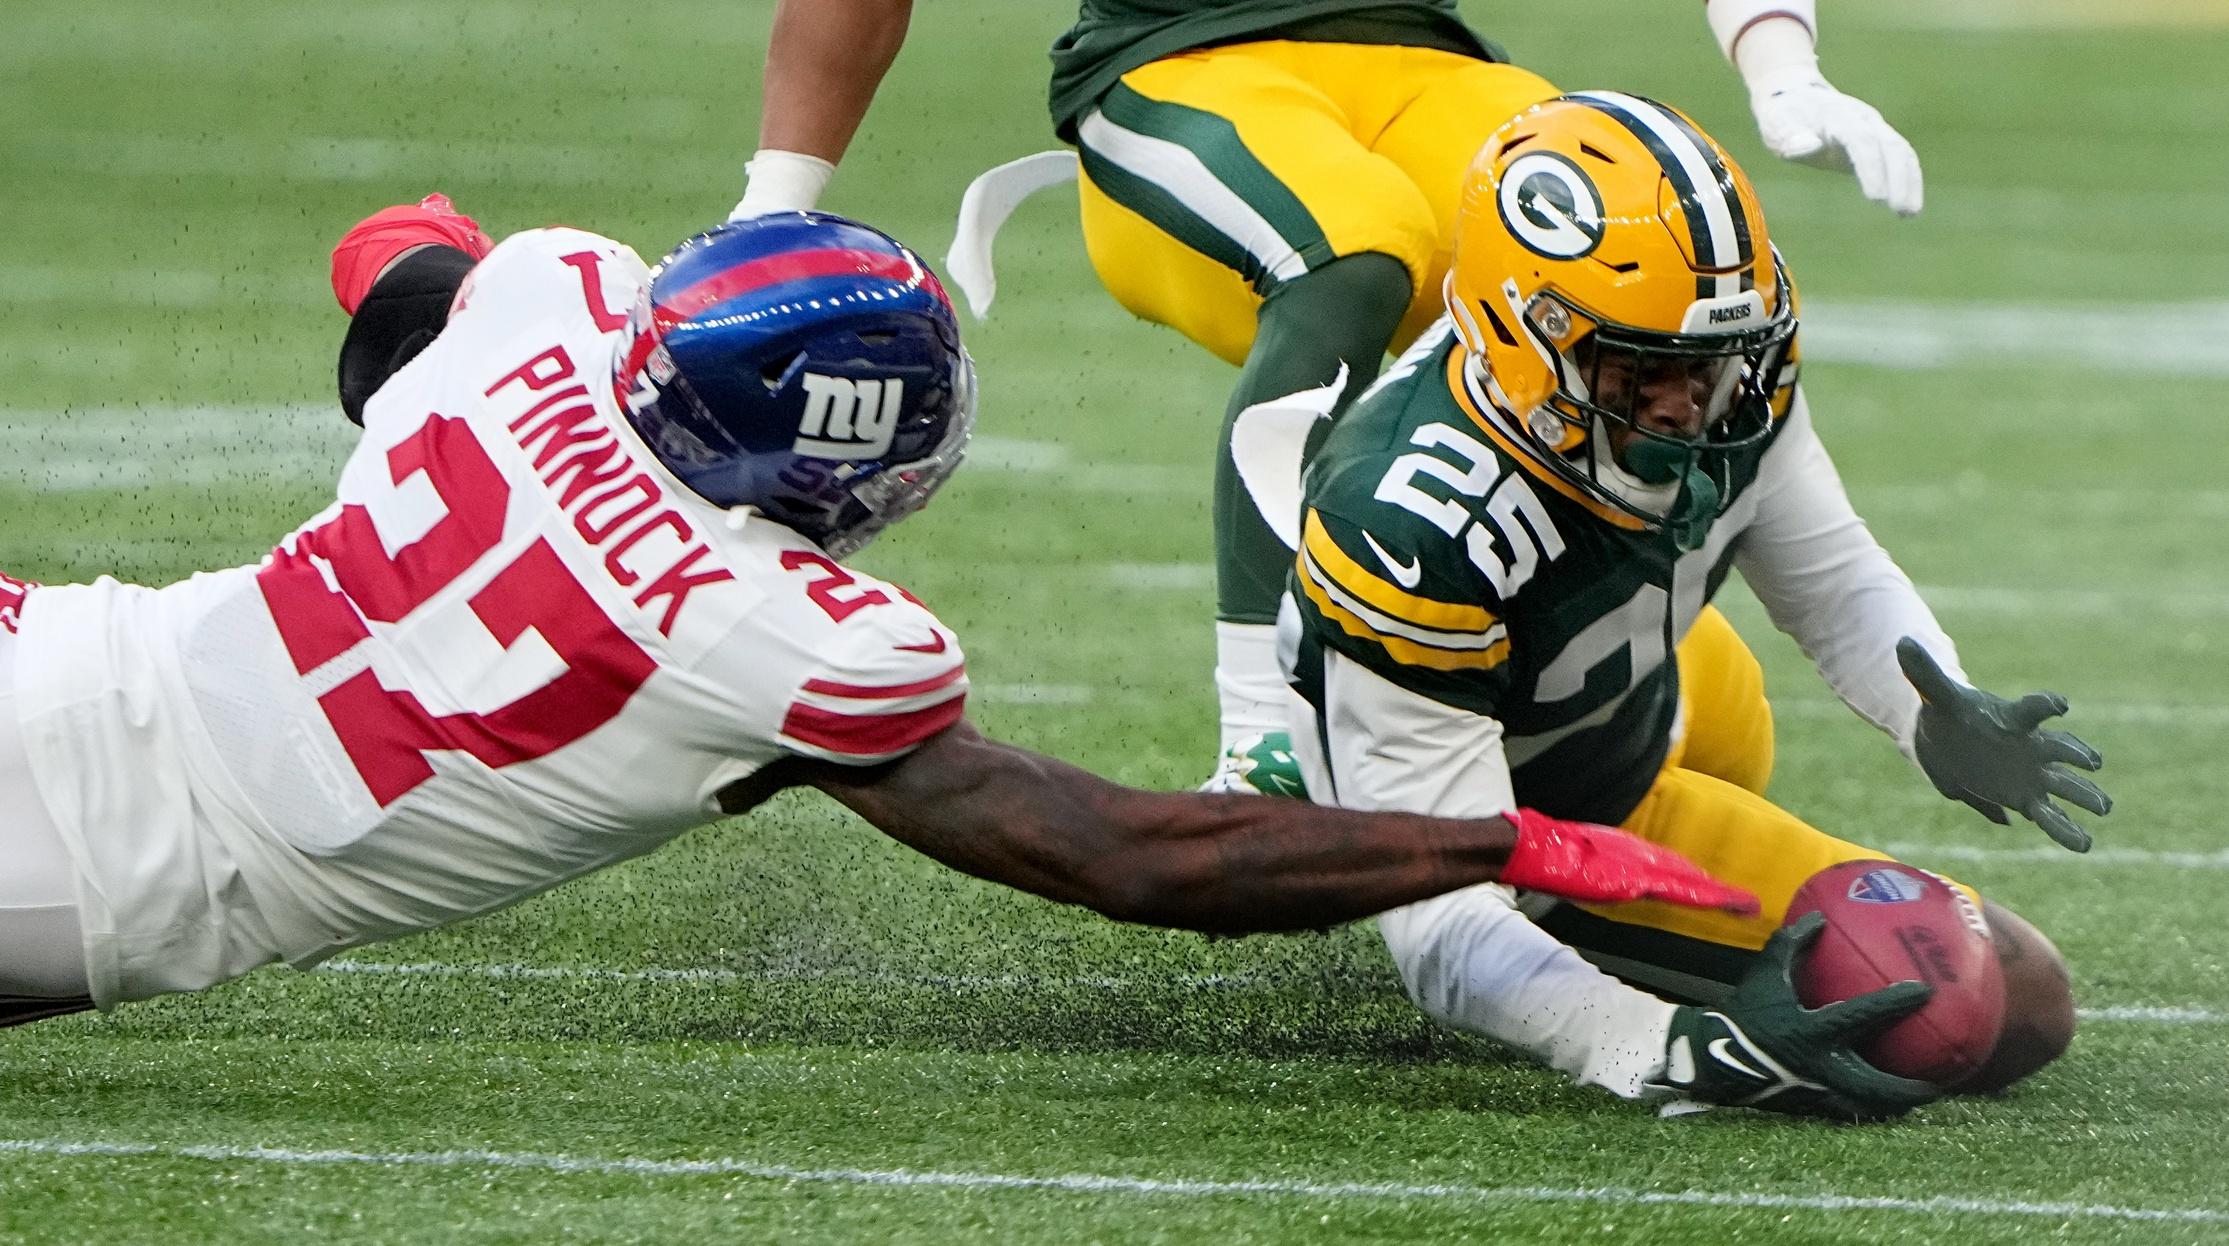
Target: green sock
[1343,313]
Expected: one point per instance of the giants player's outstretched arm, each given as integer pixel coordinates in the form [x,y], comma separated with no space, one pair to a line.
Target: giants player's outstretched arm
[1221,864]
[823,64]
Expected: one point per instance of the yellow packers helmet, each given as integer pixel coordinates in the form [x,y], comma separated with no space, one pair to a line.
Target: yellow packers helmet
[1604,237]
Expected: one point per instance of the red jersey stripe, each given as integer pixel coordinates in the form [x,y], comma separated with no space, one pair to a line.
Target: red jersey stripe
[885,692]
[869,735]
[788,266]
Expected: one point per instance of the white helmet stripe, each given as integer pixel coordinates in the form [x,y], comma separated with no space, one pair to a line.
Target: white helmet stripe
[1722,236]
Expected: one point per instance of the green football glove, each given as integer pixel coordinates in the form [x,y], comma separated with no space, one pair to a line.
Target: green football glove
[1764,1049]
[1995,755]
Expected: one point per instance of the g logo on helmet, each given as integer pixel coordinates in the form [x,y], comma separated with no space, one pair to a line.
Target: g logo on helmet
[1551,206]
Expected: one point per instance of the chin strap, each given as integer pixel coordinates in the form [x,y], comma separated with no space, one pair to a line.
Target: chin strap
[1661,463]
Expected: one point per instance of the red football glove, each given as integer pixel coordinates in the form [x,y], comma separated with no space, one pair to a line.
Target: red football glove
[1602,865]
[366,250]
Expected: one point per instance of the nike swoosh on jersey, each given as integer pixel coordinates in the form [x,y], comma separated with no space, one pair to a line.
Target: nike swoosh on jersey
[935,644]
[1722,1050]
[1409,574]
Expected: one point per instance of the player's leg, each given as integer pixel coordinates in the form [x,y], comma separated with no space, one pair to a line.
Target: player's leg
[42,950]
[1726,721]
[1741,837]
[1225,196]
[1436,132]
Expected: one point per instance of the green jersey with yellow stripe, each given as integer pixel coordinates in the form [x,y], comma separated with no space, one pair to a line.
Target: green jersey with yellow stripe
[1441,555]
[1113,37]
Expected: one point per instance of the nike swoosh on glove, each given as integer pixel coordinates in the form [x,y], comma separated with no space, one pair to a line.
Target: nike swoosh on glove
[1763,1049]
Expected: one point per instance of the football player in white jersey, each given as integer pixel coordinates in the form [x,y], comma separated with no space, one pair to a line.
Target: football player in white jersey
[581,590]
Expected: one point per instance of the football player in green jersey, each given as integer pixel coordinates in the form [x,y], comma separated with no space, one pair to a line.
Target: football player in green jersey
[1506,553]
[1275,179]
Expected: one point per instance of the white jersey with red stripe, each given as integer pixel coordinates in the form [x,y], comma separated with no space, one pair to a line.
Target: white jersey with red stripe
[513,651]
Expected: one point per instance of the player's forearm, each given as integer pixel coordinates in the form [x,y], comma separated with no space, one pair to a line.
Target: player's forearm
[1235,864]
[1760,35]
[1225,864]
[823,64]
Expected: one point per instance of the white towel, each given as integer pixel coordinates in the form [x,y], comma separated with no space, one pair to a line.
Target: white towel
[990,199]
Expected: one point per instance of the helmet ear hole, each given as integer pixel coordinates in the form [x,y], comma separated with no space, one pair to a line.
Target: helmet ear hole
[777,371]
[1500,330]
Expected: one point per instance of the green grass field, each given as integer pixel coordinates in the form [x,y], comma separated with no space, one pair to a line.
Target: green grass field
[789,1028]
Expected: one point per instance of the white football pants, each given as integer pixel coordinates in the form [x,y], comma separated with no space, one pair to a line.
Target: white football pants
[42,949]
[1472,961]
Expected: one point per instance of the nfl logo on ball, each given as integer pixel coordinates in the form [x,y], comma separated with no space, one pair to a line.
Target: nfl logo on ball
[1886,887]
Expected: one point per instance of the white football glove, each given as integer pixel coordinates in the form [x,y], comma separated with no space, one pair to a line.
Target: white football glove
[781,181]
[1801,117]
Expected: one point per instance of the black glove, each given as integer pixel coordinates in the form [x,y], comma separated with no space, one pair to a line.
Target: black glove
[1765,1050]
[1994,755]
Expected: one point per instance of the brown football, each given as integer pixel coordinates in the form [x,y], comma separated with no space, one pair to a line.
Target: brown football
[1888,922]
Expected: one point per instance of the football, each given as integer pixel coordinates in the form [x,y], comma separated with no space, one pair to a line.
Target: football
[1887,922]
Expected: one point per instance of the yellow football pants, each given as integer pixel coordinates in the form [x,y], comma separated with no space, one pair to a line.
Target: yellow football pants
[1708,804]
[1212,176]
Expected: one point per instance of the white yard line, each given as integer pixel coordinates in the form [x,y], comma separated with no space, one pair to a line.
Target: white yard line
[1159,576]
[1057,466]
[131,448]
[1976,599]
[1033,694]
[2156,1016]
[1972,493]
[1984,599]
[2184,714]
[22,284]
[2038,15]
[2143,858]
[332,158]
[1104,1183]
[2179,339]
[91,447]
[2140,1014]
[1979,599]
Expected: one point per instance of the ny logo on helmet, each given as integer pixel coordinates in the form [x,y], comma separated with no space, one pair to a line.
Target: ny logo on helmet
[848,419]
[1551,206]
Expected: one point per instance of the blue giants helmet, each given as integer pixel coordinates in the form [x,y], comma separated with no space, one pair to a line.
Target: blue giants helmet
[804,365]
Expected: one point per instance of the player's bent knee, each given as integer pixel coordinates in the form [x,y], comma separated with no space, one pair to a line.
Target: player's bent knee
[1347,309]
[1463,953]
[2039,1003]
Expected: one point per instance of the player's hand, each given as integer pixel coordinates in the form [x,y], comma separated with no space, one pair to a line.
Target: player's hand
[781,181]
[1764,1049]
[1996,755]
[1602,865]
[1801,117]
[378,240]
